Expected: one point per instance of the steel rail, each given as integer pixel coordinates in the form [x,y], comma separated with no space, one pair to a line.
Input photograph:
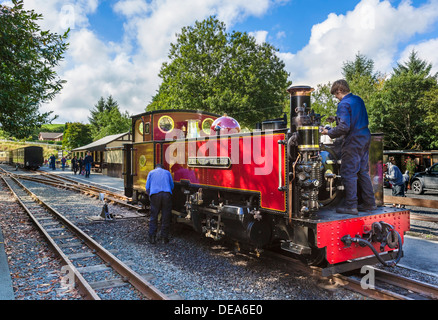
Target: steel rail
[422,288]
[83,286]
[77,187]
[142,285]
[427,290]
[89,186]
[374,293]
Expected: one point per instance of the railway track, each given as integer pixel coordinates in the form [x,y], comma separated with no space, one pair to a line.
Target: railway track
[71,184]
[83,186]
[373,283]
[70,244]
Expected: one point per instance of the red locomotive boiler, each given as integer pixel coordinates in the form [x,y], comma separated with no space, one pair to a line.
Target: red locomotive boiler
[273,186]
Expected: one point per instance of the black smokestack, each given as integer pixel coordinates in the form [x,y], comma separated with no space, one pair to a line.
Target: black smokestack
[299,104]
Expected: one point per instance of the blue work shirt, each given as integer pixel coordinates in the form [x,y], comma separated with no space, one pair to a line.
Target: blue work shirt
[159,180]
[88,159]
[351,121]
[394,175]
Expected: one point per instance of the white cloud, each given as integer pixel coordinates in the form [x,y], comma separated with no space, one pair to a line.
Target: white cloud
[260,36]
[130,8]
[57,12]
[129,70]
[374,28]
[280,35]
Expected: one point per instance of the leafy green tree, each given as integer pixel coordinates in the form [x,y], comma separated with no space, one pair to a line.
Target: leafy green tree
[323,102]
[112,122]
[404,107]
[76,135]
[361,77]
[212,70]
[430,108]
[414,65]
[101,107]
[28,57]
[106,119]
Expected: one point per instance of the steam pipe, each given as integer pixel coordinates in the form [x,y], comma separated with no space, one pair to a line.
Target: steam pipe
[364,242]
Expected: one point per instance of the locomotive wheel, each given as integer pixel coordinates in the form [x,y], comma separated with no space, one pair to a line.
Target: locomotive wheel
[316,258]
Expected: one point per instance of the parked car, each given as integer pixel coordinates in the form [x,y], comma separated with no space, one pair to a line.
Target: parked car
[425,180]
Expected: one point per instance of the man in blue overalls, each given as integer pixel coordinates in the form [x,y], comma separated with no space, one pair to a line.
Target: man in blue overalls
[159,186]
[352,123]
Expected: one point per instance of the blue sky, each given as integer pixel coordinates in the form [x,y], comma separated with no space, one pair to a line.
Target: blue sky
[118,46]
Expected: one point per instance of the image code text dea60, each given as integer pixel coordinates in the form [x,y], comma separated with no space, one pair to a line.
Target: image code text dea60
[221,309]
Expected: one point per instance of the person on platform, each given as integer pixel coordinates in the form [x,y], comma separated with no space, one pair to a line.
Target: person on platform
[63,161]
[352,123]
[395,177]
[159,186]
[87,162]
[81,165]
[406,179]
[52,162]
[74,163]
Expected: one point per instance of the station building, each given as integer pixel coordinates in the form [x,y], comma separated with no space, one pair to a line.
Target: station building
[107,153]
[423,159]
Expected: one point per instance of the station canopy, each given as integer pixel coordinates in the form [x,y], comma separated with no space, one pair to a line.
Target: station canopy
[100,145]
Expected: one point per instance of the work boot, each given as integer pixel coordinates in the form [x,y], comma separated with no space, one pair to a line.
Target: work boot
[152,239]
[347,210]
[363,207]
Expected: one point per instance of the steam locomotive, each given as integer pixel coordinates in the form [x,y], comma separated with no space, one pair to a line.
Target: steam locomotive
[273,186]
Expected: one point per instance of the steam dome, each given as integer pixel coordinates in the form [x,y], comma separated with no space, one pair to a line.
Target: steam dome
[225,125]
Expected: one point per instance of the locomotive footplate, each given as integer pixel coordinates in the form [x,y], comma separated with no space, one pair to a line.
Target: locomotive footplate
[352,239]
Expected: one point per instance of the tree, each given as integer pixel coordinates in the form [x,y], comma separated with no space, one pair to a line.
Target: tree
[28,57]
[323,102]
[76,135]
[106,119]
[362,79]
[405,106]
[100,108]
[212,70]
[429,103]
[414,65]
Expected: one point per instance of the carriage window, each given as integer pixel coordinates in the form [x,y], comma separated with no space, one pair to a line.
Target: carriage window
[143,127]
[166,124]
[206,125]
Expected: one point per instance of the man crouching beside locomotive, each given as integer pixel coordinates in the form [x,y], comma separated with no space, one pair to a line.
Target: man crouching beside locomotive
[352,123]
[159,186]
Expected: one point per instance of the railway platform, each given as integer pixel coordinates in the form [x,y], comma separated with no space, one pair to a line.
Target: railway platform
[6,290]
[420,255]
[95,178]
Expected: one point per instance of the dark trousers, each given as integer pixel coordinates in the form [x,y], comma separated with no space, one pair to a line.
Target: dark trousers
[160,201]
[398,191]
[87,169]
[354,171]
